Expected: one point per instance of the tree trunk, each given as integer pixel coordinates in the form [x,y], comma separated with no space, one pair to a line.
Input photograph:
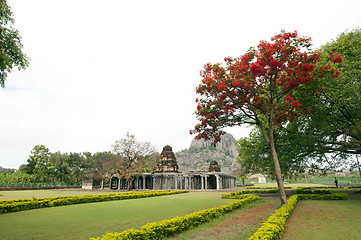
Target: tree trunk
[130,187]
[278,173]
[358,166]
[270,140]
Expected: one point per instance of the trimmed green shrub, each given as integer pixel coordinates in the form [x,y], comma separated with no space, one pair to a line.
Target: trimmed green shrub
[332,196]
[238,194]
[15,205]
[313,190]
[166,228]
[266,187]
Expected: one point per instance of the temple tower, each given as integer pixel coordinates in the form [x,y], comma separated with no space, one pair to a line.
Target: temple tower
[214,167]
[167,162]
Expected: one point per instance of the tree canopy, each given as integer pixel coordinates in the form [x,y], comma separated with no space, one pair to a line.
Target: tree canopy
[10,44]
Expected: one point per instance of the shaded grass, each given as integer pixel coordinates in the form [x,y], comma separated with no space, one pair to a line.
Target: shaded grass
[95,219]
[238,224]
[331,220]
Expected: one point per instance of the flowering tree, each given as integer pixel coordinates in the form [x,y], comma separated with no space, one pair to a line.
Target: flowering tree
[259,88]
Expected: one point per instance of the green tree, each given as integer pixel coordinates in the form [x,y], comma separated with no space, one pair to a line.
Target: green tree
[10,44]
[254,155]
[336,112]
[39,164]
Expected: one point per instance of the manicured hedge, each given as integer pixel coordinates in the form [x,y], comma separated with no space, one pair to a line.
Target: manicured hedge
[166,228]
[273,227]
[313,190]
[35,188]
[332,196]
[266,187]
[15,205]
[238,194]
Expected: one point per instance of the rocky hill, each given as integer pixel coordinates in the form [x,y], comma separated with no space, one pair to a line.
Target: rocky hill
[201,153]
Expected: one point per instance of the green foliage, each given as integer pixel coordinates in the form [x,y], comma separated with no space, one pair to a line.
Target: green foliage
[255,157]
[16,177]
[10,44]
[310,190]
[8,206]
[332,132]
[166,228]
[332,196]
[56,167]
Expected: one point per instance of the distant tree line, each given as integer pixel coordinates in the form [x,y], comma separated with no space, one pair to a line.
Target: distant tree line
[128,156]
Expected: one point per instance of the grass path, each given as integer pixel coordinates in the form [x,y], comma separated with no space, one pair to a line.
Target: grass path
[331,220]
[95,219]
[238,224]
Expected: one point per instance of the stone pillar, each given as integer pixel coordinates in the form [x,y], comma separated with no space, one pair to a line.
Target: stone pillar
[166,182]
[118,183]
[102,186]
[175,179]
[206,183]
[202,182]
[217,180]
[144,182]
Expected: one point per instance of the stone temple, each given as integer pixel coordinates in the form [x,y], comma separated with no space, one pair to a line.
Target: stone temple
[166,177]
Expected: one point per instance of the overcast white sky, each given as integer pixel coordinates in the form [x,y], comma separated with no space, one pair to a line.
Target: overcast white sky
[100,68]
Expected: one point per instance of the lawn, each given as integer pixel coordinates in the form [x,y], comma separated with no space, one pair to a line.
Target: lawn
[329,220]
[94,219]
[310,219]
